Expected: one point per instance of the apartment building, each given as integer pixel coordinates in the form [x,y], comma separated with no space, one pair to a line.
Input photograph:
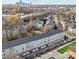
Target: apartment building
[33,43]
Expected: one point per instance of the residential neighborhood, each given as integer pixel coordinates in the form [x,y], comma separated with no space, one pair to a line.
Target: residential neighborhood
[32,31]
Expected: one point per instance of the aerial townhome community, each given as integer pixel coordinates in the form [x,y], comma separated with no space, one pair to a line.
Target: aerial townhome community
[32,31]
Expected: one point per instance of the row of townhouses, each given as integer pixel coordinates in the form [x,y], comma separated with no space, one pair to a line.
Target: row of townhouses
[33,43]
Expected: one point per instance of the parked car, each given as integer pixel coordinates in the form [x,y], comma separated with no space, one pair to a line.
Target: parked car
[51,58]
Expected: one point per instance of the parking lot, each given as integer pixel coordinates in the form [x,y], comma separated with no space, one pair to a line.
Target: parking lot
[53,53]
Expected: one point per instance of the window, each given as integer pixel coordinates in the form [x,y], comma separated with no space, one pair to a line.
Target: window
[3,51]
[33,50]
[37,49]
[23,49]
[27,52]
[4,55]
[16,51]
[25,20]
[65,38]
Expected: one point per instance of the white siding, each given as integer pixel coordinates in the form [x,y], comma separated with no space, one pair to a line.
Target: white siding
[35,44]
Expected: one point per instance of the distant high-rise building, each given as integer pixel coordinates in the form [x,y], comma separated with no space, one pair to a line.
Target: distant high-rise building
[30,3]
[20,1]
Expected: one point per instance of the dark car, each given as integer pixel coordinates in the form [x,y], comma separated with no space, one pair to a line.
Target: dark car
[51,58]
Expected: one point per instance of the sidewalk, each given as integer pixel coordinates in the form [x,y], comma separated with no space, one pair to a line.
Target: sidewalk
[66,44]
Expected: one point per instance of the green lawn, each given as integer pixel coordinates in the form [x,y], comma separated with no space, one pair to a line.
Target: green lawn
[65,48]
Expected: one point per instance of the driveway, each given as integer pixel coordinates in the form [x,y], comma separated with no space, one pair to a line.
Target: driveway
[52,53]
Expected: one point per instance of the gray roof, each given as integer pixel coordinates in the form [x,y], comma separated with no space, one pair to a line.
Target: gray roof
[17,42]
[50,22]
[34,23]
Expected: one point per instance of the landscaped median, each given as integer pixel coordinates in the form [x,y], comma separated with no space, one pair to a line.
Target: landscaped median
[65,48]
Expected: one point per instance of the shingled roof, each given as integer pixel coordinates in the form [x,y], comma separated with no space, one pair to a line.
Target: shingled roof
[17,42]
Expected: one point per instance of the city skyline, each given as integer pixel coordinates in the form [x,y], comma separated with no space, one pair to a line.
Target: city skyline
[41,2]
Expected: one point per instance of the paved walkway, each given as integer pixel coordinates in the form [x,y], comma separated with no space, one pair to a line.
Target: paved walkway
[66,44]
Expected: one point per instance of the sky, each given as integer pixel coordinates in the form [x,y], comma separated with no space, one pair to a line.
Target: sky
[48,2]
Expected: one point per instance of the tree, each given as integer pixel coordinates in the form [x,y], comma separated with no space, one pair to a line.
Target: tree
[12,20]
